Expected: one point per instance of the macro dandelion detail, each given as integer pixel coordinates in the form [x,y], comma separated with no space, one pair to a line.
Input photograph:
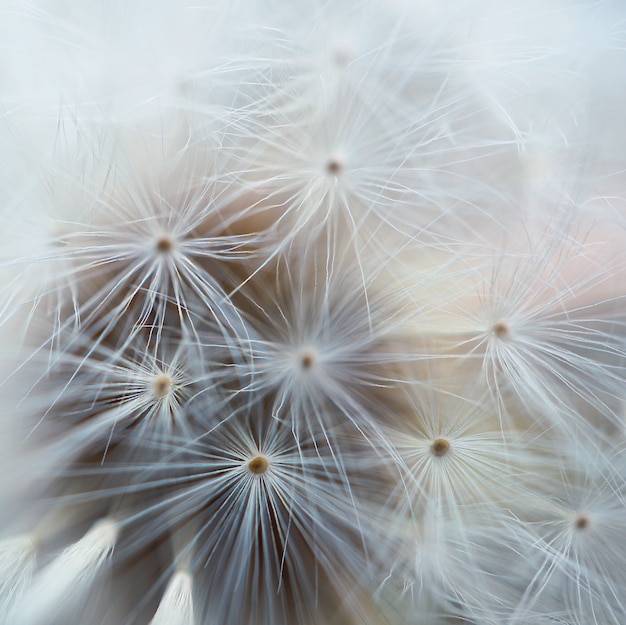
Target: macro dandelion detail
[312,313]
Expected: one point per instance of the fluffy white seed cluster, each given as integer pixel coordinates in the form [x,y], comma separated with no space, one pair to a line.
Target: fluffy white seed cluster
[312,312]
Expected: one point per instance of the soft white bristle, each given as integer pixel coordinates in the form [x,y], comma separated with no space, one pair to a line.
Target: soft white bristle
[17,561]
[176,607]
[65,583]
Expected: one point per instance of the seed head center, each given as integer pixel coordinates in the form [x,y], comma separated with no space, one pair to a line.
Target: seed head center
[501,330]
[164,244]
[334,165]
[307,358]
[162,385]
[258,465]
[440,447]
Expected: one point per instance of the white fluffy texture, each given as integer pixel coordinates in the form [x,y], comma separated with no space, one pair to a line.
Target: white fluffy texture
[176,606]
[17,562]
[61,587]
[323,301]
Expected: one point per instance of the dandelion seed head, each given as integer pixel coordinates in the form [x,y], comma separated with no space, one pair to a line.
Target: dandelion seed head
[440,447]
[501,329]
[165,244]
[582,521]
[301,317]
[162,385]
[307,358]
[258,465]
[335,165]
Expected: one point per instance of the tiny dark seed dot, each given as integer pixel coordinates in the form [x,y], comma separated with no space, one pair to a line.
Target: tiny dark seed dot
[258,465]
[501,330]
[440,447]
[162,385]
[334,166]
[306,358]
[582,522]
[164,245]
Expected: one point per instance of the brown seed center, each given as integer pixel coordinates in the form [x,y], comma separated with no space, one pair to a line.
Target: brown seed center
[501,330]
[440,447]
[164,244]
[334,166]
[162,385]
[307,358]
[258,465]
[582,522]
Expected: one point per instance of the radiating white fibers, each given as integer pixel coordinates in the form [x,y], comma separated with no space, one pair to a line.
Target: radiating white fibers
[312,312]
